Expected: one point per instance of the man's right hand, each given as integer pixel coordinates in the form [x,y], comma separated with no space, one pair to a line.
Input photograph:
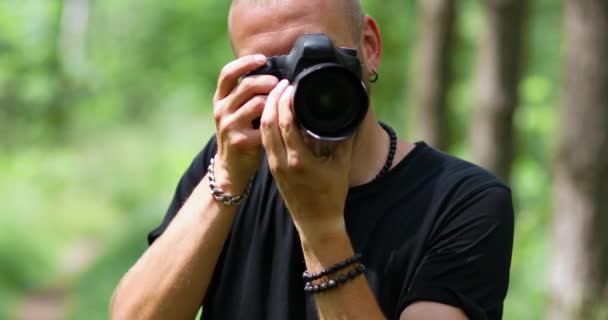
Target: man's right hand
[177,269]
[236,104]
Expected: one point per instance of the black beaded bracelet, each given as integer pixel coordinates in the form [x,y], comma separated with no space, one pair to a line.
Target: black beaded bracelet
[331,284]
[307,276]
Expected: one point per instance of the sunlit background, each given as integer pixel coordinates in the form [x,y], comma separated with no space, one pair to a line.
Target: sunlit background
[103,104]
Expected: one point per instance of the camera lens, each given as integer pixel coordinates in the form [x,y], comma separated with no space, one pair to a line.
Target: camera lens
[330,101]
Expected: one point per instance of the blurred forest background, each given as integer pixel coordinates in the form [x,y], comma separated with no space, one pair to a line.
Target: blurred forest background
[103,104]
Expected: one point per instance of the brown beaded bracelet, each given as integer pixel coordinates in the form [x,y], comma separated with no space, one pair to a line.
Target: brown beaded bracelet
[307,276]
[331,284]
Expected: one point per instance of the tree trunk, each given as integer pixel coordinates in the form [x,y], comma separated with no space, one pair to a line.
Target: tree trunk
[72,36]
[67,62]
[579,262]
[432,71]
[498,74]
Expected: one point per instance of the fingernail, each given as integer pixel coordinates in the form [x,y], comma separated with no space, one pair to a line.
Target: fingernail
[283,83]
[290,90]
[260,58]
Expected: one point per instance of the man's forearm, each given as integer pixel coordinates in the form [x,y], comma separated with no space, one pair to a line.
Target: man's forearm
[171,278]
[352,300]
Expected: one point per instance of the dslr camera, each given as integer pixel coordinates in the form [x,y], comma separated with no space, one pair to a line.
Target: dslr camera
[330,99]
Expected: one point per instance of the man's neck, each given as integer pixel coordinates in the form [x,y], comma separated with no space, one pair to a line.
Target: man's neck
[370,151]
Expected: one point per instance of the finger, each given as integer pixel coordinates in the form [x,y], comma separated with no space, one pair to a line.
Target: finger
[233,71]
[245,139]
[242,119]
[271,135]
[289,129]
[250,111]
[248,88]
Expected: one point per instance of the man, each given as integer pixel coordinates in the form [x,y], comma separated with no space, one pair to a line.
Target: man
[434,233]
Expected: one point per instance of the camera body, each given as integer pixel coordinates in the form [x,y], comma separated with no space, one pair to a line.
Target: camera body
[330,99]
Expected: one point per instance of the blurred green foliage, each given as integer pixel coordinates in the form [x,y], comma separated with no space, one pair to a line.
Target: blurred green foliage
[92,148]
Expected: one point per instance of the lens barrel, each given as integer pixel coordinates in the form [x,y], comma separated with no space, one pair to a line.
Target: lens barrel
[330,101]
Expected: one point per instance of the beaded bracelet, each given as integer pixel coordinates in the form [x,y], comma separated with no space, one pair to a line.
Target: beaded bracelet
[331,284]
[307,276]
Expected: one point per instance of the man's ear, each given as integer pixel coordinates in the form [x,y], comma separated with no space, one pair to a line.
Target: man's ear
[371,43]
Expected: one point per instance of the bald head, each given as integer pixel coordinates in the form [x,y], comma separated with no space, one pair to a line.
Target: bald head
[262,18]
[352,9]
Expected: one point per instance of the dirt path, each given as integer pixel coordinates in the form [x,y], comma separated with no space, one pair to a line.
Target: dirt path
[51,302]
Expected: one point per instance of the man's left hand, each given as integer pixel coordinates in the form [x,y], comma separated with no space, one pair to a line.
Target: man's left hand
[313,188]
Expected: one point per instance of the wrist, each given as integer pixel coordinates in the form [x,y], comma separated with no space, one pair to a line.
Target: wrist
[320,233]
[229,180]
[324,247]
[221,195]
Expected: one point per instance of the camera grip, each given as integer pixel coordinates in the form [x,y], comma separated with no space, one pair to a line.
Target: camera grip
[267,69]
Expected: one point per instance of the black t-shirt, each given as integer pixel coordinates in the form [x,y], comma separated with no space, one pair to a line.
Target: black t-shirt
[436,228]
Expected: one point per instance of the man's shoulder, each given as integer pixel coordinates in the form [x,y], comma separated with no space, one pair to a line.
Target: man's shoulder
[471,192]
[450,183]
[459,175]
